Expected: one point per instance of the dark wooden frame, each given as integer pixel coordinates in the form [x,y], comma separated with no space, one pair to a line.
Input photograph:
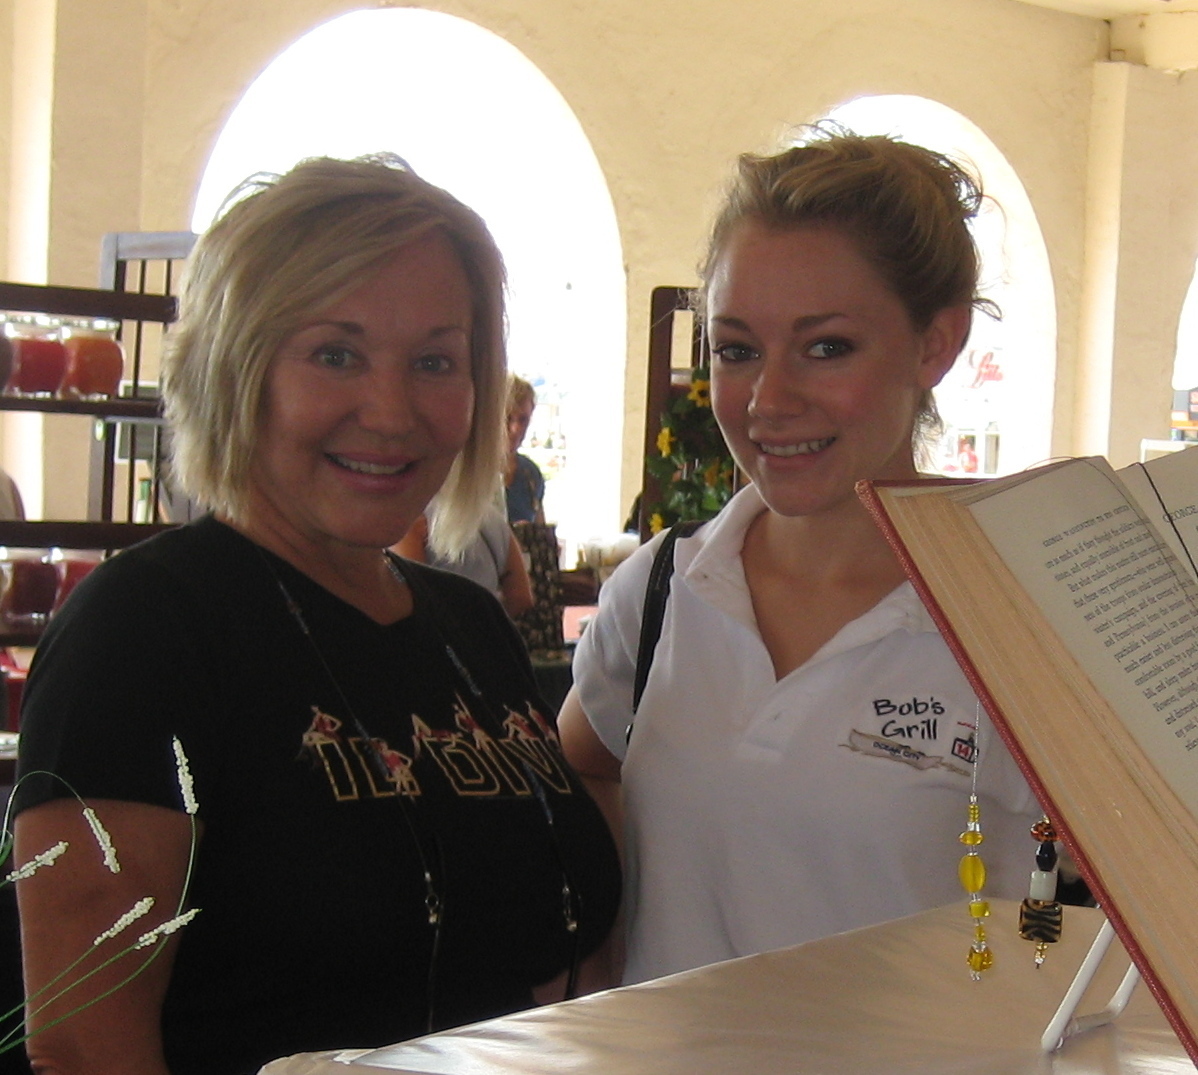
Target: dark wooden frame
[664,304]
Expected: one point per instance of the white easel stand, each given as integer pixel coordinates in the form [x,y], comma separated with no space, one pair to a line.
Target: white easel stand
[1064,1025]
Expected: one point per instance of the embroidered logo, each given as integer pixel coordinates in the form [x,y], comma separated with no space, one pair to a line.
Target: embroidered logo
[477,764]
[878,746]
[473,763]
[966,749]
[911,718]
[347,763]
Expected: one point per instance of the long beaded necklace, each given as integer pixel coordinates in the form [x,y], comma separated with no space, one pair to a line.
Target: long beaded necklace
[432,892]
[433,899]
[571,904]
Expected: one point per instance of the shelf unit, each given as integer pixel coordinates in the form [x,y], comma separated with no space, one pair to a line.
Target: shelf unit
[103,537]
[135,314]
[136,282]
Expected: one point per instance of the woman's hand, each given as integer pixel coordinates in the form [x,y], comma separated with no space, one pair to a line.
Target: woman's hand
[65,907]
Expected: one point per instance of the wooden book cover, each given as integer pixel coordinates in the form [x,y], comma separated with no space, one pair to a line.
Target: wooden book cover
[1070,598]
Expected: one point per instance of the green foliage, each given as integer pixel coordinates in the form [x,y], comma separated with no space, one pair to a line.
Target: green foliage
[692,463]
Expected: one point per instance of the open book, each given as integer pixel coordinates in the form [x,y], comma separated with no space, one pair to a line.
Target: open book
[1070,597]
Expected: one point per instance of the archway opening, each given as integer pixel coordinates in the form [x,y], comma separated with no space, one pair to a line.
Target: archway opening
[471,113]
[1185,368]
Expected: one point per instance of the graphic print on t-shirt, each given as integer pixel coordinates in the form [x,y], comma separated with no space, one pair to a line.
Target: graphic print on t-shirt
[910,730]
[472,762]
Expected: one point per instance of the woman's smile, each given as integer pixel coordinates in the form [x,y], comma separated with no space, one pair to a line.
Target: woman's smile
[363,466]
[786,451]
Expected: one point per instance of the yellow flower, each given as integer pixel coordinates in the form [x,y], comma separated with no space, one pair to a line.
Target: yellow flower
[700,393]
[656,523]
[712,474]
[665,441]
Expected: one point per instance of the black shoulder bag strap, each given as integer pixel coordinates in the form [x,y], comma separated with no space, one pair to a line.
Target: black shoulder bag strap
[657,593]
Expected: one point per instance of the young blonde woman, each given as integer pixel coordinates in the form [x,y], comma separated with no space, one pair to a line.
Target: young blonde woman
[801,759]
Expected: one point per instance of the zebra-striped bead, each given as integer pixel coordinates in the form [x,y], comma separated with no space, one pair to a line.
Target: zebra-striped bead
[1040,921]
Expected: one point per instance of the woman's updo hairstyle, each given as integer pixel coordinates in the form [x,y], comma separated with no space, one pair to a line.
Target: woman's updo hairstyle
[907,207]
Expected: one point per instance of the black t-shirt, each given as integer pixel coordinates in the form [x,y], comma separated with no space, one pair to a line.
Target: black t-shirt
[314,931]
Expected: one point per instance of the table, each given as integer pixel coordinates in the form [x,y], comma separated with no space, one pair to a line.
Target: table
[894,999]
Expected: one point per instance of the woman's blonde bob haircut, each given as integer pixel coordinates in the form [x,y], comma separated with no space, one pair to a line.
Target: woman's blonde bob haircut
[284,248]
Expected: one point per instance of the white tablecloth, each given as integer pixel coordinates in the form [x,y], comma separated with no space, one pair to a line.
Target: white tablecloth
[887,1000]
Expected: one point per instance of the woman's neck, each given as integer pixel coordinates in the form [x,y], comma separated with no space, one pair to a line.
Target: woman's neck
[835,548]
[809,576]
[359,576]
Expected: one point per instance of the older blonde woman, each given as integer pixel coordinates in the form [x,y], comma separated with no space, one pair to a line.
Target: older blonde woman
[390,839]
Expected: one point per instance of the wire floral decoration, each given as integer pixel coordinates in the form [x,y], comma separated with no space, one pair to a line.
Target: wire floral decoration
[13,1031]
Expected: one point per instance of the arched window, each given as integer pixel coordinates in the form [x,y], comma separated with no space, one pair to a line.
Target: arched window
[997,401]
[471,113]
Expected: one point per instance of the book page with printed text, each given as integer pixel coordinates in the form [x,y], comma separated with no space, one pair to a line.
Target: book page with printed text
[1116,595]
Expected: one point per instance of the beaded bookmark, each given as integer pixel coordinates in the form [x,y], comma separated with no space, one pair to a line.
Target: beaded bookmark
[972,871]
[1040,915]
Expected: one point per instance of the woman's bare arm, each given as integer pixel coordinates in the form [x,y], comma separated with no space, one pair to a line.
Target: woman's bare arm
[598,767]
[515,587]
[65,907]
[600,772]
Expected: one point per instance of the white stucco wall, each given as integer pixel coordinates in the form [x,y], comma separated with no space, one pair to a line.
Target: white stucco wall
[667,91]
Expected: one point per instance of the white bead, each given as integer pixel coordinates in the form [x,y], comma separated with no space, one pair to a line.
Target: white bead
[1044,885]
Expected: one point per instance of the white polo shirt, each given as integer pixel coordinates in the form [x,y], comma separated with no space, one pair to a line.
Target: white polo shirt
[761,813]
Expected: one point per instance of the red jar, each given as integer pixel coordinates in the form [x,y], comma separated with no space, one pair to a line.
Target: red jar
[29,595]
[95,360]
[39,357]
[14,688]
[5,355]
[71,570]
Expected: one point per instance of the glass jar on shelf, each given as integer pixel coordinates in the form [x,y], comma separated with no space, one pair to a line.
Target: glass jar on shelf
[39,358]
[6,349]
[31,585]
[71,567]
[95,359]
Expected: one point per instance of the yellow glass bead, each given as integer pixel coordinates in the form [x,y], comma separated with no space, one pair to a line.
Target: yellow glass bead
[972,872]
[979,933]
[975,813]
[971,837]
[979,908]
[980,959]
